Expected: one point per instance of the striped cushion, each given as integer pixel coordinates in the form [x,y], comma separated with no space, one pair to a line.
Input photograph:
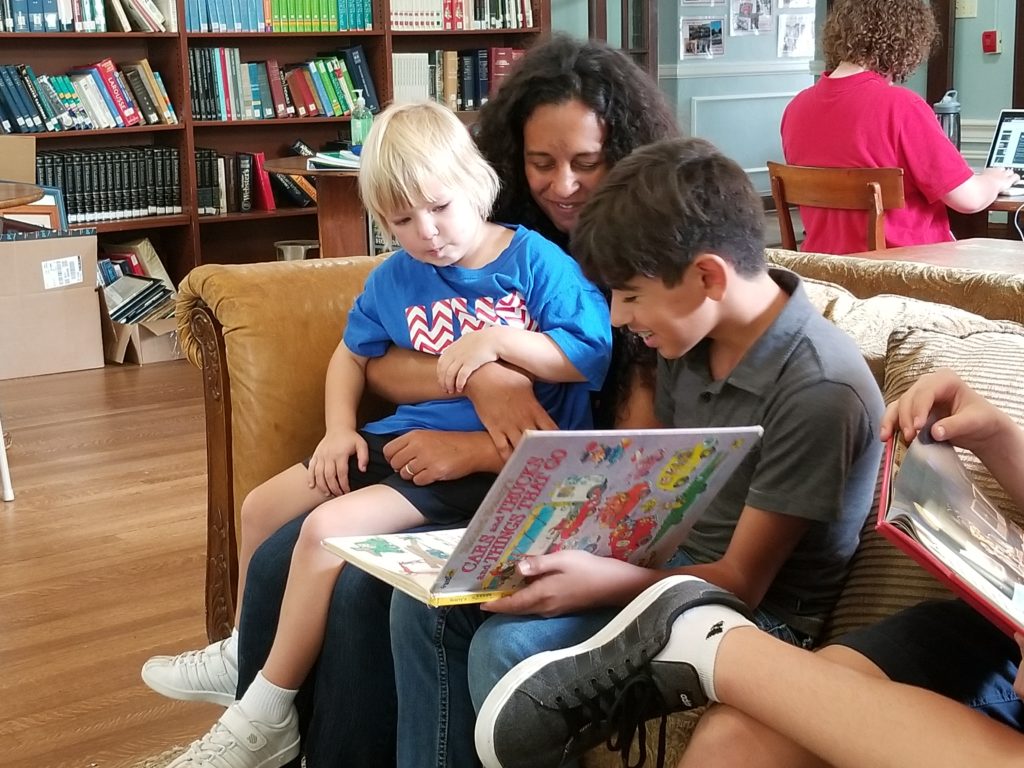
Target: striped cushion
[883,580]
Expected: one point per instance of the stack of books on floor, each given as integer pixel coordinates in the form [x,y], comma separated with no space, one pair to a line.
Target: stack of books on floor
[135,299]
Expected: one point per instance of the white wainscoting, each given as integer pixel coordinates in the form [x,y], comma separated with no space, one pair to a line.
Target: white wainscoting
[975,139]
[756,137]
[698,68]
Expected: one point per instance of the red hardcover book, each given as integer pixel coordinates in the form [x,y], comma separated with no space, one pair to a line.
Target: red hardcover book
[931,509]
[276,89]
[301,95]
[262,195]
[225,74]
[499,63]
[320,107]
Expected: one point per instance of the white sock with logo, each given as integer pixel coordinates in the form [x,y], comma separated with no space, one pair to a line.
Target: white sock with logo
[696,635]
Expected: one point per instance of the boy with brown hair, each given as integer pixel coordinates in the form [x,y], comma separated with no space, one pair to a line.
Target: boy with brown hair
[675,232]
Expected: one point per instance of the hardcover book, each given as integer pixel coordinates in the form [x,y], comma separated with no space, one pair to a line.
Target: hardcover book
[632,495]
[933,511]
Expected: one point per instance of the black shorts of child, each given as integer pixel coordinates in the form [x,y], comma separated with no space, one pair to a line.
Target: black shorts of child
[444,503]
[949,648]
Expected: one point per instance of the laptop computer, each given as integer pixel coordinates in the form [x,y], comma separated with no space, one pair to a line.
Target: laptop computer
[1007,148]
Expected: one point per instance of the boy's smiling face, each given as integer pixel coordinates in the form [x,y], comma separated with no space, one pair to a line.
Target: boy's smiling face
[672,320]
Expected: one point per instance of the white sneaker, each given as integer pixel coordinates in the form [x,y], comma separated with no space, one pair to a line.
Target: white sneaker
[235,741]
[207,675]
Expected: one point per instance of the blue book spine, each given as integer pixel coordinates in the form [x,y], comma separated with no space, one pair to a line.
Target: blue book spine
[107,98]
[12,104]
[320,90]
[33,121]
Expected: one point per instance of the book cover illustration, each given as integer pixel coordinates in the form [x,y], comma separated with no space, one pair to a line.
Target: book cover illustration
[629,495]
[940,517]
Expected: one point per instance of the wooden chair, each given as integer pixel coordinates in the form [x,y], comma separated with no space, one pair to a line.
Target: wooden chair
[875,190]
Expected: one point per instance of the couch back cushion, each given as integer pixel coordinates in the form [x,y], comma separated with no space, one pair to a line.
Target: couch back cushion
[988,357]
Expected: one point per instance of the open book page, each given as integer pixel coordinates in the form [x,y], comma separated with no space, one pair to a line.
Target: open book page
[942,519]
[632,495]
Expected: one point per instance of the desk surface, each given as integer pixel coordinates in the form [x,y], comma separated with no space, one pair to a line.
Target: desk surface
[297,165]
[985,253]
[14,193]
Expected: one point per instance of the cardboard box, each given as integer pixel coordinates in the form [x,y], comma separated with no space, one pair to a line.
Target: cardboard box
[153,341]
[18,158]
[49,318]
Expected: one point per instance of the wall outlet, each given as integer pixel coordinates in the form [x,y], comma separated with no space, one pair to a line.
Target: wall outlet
[991,42]
[966,9]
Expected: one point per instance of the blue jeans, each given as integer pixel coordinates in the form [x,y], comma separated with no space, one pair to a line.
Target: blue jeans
[448,659]
[347,706]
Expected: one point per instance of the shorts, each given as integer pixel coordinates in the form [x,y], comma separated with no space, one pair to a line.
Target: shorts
[949,648]
[442,503]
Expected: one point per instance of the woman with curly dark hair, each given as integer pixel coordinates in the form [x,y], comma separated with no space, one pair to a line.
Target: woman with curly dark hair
[567,112]
[854,117]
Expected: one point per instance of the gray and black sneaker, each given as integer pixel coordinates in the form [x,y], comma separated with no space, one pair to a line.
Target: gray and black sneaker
[554,706]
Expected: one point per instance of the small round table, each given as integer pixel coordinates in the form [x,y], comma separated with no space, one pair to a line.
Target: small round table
[340,216]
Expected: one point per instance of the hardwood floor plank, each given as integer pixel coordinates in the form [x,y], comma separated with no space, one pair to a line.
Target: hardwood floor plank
[101,563]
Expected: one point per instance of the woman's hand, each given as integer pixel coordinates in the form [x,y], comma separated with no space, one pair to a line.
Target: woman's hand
[504,400]
[426,456]
[328,467]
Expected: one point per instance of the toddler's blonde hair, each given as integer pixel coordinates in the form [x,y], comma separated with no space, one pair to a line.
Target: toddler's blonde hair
[412,145]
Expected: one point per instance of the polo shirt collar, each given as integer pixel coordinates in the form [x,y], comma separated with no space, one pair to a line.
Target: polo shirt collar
[760,368]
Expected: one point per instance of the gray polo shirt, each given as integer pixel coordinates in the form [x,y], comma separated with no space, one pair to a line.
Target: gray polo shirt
[806,383]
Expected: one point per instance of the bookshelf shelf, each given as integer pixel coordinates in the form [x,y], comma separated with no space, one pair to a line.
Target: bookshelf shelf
[144,222]
[80,37]
[293,121]
[280,213]
[264,36]
[109,132]
[188,240]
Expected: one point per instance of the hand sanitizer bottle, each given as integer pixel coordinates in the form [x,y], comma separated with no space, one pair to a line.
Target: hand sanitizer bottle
[362,120]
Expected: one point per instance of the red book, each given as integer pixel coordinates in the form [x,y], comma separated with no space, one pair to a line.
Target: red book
[301,95]
[225,73]
[499,63]
[262,196]
[931,509]
[276,89]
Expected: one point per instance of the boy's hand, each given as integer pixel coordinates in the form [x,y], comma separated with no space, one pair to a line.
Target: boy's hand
[506,404]
[465,355]
[426,456]
[965,418]
[328,467]
[573,580]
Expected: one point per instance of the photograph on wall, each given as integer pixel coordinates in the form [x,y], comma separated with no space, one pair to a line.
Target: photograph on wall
[796,35]
[750,17]
[701,37]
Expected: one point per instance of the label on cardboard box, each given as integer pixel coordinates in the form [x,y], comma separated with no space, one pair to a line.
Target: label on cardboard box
[59,273]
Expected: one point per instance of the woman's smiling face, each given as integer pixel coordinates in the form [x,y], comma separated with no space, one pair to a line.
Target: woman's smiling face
[563,147]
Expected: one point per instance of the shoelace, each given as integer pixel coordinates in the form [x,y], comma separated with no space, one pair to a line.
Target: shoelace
[619,707]
[213,744]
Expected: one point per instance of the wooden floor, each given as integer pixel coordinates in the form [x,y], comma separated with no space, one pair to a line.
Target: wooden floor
[101,563]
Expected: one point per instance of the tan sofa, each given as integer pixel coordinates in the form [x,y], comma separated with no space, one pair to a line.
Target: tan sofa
[263,334]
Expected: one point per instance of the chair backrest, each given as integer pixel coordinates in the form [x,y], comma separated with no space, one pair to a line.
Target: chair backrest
[874,190]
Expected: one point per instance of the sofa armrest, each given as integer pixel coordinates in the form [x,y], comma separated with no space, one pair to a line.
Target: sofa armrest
[263,335]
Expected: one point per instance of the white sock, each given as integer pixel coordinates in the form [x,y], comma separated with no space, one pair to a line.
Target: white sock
[696,635]
[266,702]
[231,648]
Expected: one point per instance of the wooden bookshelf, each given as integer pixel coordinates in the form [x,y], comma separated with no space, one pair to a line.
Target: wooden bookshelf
[187,240]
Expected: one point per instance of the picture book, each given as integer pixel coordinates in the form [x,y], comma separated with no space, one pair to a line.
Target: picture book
[632,495]
[933,511]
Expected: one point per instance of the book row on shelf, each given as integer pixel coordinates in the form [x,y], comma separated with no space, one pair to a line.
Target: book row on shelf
[420,15]
[278,15]
[88,16]
[114,182]
[224,87]
[463,80]
[93,96]
[228,182]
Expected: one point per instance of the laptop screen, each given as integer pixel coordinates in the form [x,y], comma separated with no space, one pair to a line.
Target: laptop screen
[1007,150]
